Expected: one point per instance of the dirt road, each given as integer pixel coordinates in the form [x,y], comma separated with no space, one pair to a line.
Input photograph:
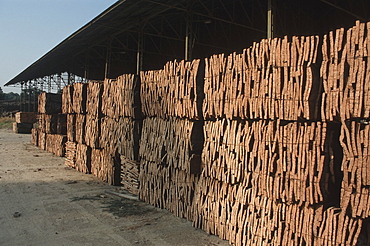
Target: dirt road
[42,202]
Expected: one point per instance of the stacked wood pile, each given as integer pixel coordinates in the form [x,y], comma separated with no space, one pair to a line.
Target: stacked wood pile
[167,187]
[53,123]
[83,158]
[41,139]
[51,131]
[130,175]
[35,136]
[266,147]
[355,139]
[79,98]
[49,103]
[25,117]
[22,127]
[122,97]
[71,127]
[67,105]
[172,138]
[172,91]
[284,162]
[273,79]
[23,122]
[92,131]
[243,217]
[122,135]
[94,99]
[284,167]
[120,130]
[82,128]
[71,148]
[105,166]
[55,143]
[345,75]
[103,122]
[270,153]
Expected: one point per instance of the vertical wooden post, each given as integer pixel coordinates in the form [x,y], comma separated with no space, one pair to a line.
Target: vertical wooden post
[20,97]
[187,41]
[29,96]
[107,61]
[35,93]
[139,54]
[188,35]
[270,19]
[86,73]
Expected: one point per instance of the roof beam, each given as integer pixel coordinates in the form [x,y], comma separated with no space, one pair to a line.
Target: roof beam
[209,16]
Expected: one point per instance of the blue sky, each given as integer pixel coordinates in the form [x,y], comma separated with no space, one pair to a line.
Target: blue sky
[30,28]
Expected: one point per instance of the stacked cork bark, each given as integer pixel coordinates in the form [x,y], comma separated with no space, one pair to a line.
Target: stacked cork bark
[104,126]
[24,122]
[172,91]
[273,79]
[74,106]
[50,134]
[265,147]
[345,73]
[171,139]
[121,127]
[268,159]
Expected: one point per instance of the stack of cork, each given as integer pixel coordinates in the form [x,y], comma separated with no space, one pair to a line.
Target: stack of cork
[268,159]
[266,147]
[51,132]
[345,74]
[121,128]
[273,79]
[171,138]
[24,123]
[74,106]
[104,127]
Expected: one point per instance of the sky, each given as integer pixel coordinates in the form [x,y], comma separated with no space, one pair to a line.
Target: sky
[31,28]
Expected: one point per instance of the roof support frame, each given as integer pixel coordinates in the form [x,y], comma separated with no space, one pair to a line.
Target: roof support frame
[211,17]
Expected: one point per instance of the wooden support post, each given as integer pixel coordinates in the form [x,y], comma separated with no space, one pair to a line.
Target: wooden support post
[107,61]
[270,20]
[139,54]
[86,73]
[35,94]
[21,96]
[29,96]
[188,36]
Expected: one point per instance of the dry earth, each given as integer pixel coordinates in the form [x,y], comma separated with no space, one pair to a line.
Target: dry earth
[43,202]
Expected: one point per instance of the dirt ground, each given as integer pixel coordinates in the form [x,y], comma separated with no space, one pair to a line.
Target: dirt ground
[43,202]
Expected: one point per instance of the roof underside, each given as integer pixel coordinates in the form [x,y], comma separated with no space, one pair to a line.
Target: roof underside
[107,46]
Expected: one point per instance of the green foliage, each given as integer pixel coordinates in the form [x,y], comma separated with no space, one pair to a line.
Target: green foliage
[6,122]
[11,96]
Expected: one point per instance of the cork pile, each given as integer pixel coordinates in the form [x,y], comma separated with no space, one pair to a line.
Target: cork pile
[50,133]
[171,138]
[103,128]
[265,147]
